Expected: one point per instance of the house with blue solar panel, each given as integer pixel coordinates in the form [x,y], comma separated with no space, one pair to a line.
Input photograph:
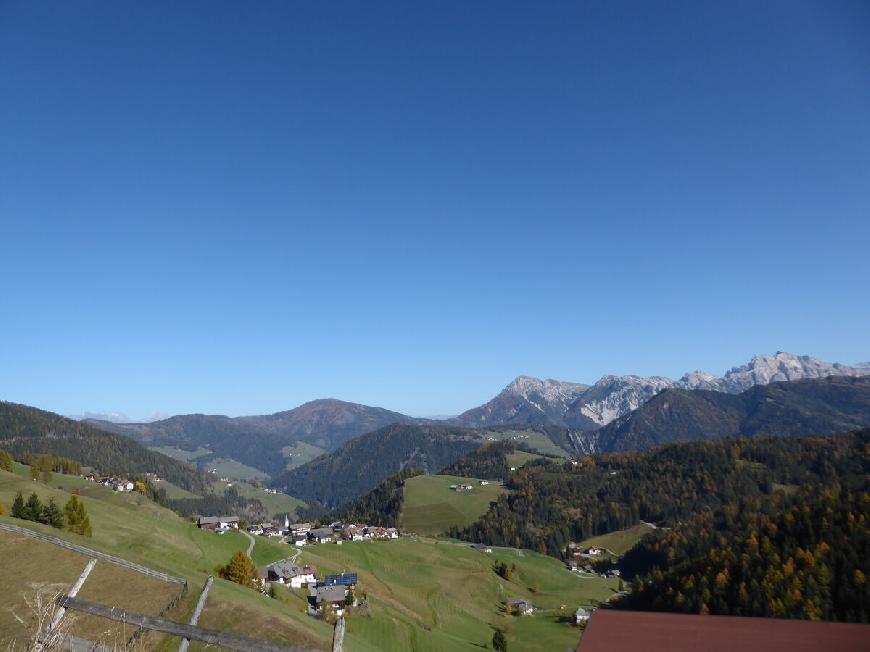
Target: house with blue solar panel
[344,579]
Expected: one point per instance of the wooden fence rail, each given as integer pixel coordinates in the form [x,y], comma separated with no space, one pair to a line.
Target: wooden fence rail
[93,553]
[209,636]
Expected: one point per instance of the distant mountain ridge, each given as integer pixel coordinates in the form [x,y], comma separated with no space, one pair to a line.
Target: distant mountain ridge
[363,463]
[257,441]
[529,400]
[811,406]
[25,429]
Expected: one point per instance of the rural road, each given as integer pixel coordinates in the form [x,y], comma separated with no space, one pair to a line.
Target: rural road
[250,545]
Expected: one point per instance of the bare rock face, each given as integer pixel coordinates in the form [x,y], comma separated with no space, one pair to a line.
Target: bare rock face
[529,401]
[766,369]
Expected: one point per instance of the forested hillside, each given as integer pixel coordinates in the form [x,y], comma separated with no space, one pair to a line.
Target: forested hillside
[802,554]
[381,506]
[552,504]
[362,463]
[796,408]
[489,462]
[25,429]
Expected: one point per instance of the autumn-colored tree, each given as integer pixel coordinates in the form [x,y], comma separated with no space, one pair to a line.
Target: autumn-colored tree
[240,570]
[34,472]
[5,461]
[2,508]
[77,517]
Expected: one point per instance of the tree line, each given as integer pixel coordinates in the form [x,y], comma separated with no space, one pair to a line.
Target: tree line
[73,517]
[801,554]
[553,504]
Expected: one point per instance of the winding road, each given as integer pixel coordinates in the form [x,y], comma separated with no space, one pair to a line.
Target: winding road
[250,545]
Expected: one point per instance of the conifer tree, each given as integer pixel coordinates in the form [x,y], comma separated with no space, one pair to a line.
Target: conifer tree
[51,514]
[5,461]
[18,506]
[34,472]
[33,508]
[499,642]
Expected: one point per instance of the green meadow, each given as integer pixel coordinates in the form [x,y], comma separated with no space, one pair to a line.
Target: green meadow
[620,541]
[431,507]
[137,529]
[537,441]
[301,453]
[440,595]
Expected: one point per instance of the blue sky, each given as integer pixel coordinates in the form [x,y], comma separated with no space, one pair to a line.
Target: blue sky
[233,208]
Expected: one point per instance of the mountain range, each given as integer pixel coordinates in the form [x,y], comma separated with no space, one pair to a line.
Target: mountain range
[268,442]
[812,406]
[529,400]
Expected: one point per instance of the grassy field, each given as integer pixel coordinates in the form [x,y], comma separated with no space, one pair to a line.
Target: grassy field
[135,528]
[30,567]
[438,595]
[275,503]
[425,595]
[431,507]
[181,454]
[536,441]
[174,492]
[300,454]
[521,458]
[619,542]
[225,467]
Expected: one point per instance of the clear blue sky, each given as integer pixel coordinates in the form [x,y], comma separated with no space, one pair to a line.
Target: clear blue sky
[236,207]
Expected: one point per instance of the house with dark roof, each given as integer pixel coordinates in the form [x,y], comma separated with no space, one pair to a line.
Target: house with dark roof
[321,535]
[218,523]
[344,579]
[283,572]
[521,606]
[322,596]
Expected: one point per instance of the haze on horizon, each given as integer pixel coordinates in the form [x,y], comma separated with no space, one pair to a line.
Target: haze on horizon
[205,208]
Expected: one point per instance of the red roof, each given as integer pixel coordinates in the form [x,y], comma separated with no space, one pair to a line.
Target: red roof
[611,630]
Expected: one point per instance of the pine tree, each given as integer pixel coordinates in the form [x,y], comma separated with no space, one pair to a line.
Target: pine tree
[5,461]
[499,642]
[52,515]
[18,506]
[46,474]
[33,508]
[240,570]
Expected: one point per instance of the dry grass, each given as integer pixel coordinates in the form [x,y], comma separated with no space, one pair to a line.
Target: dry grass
[32,568]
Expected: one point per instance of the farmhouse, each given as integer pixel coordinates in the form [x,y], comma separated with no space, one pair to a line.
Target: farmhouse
[483,483]
[521,606]
[297,529]
[482,548]
[321,535]
[321,596]
[593,551]
[300,540]
[343,579]
[283,572]
[352,533]
[218,523]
